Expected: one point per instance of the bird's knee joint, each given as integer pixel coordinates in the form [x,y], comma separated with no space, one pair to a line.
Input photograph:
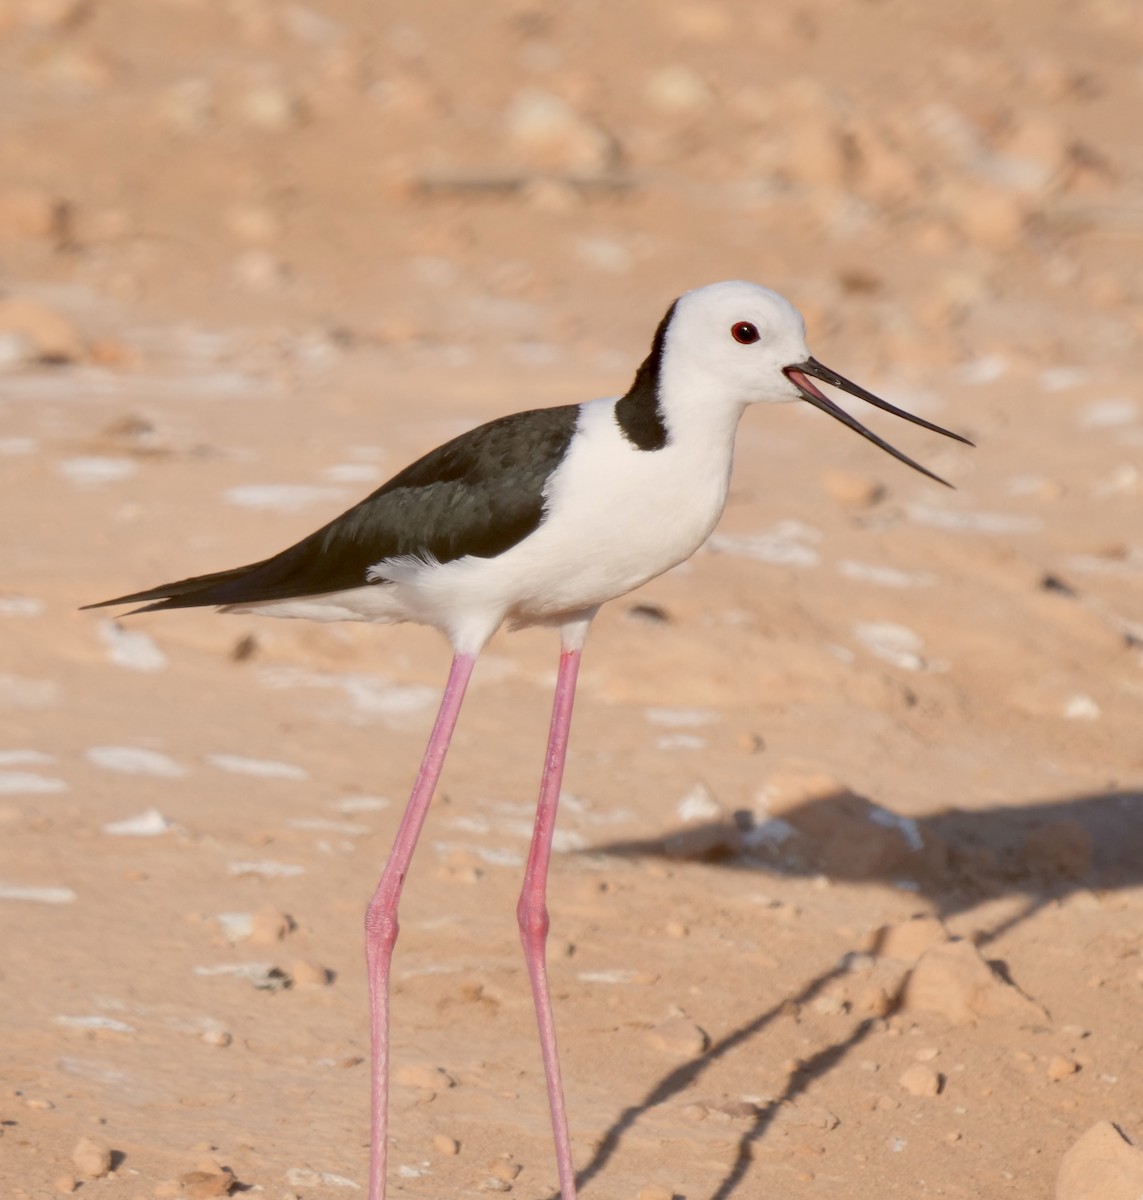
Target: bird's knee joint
[534,922]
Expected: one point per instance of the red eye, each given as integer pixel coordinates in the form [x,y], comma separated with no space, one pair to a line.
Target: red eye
[744,332]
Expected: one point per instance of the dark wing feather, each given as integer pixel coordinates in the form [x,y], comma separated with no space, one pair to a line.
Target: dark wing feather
[479,494]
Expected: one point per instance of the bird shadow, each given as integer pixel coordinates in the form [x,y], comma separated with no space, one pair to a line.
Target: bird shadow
[954,859]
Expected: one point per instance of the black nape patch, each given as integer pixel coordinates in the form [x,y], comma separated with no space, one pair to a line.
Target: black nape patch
[638,413]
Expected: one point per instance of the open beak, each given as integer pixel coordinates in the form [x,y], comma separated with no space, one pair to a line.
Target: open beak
[799,375]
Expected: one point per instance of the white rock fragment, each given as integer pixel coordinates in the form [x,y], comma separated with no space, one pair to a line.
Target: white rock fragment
[266,868]
[135,760]
[308,1177]
[698,805]
[882,576]
[25,758]
[149,823]
[613,977]
[359,804]
[324,825]
[236,926]
[789,544]
[107,1024]
[131,648]
[369,694]
[282,497]
[681,717]
[1109,414]
[263,768]
[1062,379]
[964,521]
[1081,707]
[20,606]
[25,783]
[37,895]
[893,643]
[93,470]
[16,691]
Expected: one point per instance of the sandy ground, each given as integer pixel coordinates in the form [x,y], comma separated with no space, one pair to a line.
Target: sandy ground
[848,893]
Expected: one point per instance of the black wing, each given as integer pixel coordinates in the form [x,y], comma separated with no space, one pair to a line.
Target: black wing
[479,494]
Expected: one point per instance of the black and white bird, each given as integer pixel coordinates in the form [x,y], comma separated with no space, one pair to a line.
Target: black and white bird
[537,518]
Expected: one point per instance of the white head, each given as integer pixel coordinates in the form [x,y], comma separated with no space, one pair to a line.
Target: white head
[738,337]
[727,345]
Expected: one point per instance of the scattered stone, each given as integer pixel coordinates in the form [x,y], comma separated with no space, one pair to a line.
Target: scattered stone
[260,271]
[443,1144]
[921,1080]
[202,1185]
[92,1158]
[421,1075]
[1061,1067]
[990,217]
[306,973]
[853,490]
[17,351]
[504,1167]
[218,1037]
[1102,1165]
[253,223]
[269,925]
[678,90]
[492,1184]
[680,1036]
[65,1184]
[954,980]
[30,213]
[550,135]
[52,335]
[272,107]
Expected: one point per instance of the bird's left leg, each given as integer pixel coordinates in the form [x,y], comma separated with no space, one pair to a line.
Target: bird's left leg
[532,910]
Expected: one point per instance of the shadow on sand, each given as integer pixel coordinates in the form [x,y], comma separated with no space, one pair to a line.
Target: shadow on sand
[954,860]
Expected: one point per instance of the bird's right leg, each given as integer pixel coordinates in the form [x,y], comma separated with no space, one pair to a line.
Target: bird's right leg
[381,916]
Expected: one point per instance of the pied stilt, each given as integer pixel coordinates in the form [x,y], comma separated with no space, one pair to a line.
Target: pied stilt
[538,518]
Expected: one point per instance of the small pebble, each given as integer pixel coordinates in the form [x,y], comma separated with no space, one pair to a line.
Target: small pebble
[492,1184]
[504,1167]
[853,490]
[218,1037]
[421,1075]
[202,1185]
[269,925]
[443,1144]
[305,973]
[921,1080]
[92,1159]
[65,1184]
[1061,1067]
[679,1035]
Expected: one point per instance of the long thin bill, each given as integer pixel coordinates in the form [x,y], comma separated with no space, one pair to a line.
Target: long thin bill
[798,375]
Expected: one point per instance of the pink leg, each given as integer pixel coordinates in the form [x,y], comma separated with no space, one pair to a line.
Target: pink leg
[532,910]
[381,917]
